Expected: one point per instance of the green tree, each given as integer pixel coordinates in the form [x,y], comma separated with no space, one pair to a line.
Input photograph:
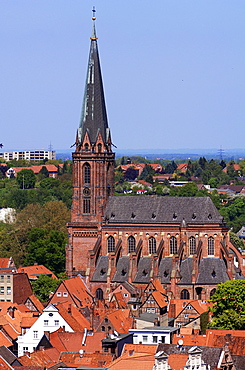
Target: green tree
[44,286]
[46,248]
[26,179]
[229,306]
[236,241]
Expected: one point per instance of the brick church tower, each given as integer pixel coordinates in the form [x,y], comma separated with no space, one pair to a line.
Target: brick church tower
[93,169]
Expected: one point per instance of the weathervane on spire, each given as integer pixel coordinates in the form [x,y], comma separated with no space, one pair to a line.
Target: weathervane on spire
[94,11]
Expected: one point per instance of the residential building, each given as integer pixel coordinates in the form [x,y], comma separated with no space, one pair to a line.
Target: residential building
[153,334]
[50,320]
[30,155]
[14,287]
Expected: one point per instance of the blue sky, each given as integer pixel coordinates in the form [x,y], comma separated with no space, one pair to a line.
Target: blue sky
[173,72]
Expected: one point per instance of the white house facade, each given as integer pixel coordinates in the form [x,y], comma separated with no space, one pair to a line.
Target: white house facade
[153,335]
[50,320]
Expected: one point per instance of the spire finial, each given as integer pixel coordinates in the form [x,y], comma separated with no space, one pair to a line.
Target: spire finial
[93,29]
[94,11]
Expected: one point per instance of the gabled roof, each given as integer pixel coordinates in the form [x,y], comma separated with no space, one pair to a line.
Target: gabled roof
[121,320]
[77,290]
[35,301]
[35,271]
[180,305]
[8,355]
[74,318]
[46,358]
[36,169]
[6,263]
[154,210]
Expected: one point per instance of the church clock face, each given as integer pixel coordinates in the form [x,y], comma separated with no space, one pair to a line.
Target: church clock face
[86,191]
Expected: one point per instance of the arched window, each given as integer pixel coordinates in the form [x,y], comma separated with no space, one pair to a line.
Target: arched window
[211,246]
[173,245]
[184,294]
[192,245]
[86,173]
[110,244]
[99,294]
[212,292]
[152,245]
[131,244]
[86,147]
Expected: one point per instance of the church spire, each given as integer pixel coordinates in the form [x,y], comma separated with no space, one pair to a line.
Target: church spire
[94,118]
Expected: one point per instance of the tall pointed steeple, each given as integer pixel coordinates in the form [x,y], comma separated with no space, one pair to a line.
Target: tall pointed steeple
[94,116]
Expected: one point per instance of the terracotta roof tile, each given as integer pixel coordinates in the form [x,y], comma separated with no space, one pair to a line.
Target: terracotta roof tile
[75,319]
[33,272]
[121,320]
[177,361]
[159,298]
[4,341]
[4,365]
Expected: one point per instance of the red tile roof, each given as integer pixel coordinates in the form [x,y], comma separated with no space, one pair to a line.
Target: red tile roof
[78,292]
[74,318]
[121,320]
[36,169]
[33,272]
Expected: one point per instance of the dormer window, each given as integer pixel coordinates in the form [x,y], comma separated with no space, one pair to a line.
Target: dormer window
[194,216]
[102,272]
[133,215]
[174,216]
[144,272]
[123,273]
[213,274]
[210,216]
[153,216]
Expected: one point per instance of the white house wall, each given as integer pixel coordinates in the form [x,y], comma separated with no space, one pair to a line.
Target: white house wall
[50,320]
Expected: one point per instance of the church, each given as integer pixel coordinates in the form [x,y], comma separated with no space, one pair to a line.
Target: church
[182,241]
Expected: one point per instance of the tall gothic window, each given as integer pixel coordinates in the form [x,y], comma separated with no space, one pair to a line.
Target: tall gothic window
[86,173]
[131,244]
[86,205]
[173,245]
[192,245]
[110,244]
[211,246]
[184,294]
[152,245]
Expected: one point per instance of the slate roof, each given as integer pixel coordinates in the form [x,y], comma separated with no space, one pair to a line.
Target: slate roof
[239,362]
[94,117]
[154,210]
[100,274]
[121,274]
[212,271]
[210,355]
[8,356]
[144,270]
[165,269]
[186,271]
